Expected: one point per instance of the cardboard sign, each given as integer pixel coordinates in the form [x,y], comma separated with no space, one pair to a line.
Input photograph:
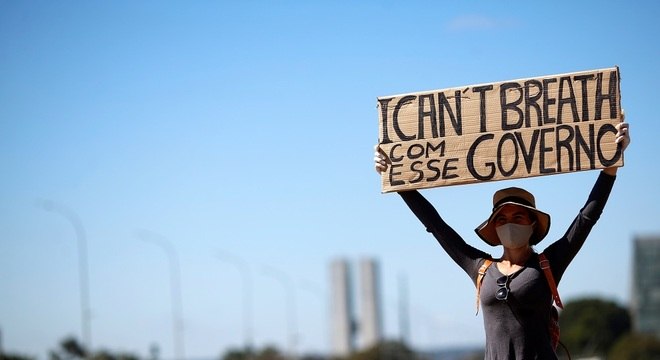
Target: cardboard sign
[506,130]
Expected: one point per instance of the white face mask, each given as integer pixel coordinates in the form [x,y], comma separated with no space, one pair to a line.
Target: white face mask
[514,235]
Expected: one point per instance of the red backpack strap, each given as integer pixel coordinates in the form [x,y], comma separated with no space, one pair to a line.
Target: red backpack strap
[480,278]
[545,266]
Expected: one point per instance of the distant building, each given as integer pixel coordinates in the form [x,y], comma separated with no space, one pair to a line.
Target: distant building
[370,326]
[344,325]
[341,309]
[645,304]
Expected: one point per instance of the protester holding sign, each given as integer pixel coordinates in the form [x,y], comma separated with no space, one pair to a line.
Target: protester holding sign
[515,296]
[503,130]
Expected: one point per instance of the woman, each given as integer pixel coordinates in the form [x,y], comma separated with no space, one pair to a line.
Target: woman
[514,294]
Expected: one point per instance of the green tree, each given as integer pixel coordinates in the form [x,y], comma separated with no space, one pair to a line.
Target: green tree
[9,356]
[270,353]
[267,353]
[107,355]
[387,350]
[239,354]
[71,349]
[591,326]
[636,347]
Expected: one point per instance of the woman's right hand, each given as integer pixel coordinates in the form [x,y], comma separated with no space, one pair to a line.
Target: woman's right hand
[380,160]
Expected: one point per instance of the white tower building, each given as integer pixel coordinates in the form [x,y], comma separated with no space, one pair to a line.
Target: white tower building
[341,309]
[370,325]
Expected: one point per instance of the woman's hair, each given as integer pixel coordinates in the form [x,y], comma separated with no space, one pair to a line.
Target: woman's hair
[532,216]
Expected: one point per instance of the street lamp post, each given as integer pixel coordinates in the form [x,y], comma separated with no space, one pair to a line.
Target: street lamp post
[175,288]
[289,289]
[244,270]
[315,289]
[83,267]
[404,313]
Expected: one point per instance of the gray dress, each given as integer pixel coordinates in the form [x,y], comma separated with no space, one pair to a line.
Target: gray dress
[516,328]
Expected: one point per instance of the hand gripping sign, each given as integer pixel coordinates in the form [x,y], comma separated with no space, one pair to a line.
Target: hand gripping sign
[506,130]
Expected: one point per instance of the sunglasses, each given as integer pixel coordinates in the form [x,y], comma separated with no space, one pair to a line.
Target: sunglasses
[502,292]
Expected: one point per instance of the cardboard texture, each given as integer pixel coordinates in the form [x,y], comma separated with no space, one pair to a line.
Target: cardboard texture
[505,130]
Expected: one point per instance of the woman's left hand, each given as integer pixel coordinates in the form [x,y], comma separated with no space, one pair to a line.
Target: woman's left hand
[623,133]
[622,137]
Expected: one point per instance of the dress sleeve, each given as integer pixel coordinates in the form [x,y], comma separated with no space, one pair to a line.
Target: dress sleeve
[466,256]
[563,251]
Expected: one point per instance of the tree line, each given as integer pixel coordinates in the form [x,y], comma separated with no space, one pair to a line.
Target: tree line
[590,327]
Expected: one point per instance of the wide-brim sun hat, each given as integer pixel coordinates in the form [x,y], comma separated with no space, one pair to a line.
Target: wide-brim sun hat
[519,197]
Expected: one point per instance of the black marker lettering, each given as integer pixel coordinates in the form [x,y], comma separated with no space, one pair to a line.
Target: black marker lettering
[482,104]
[585,100]
[470,159]
[547,101]
[456,120]
[392,157]
[445,170]
[395,118]
[601,132]
[542,150]
[430,149]
[500,157]
[414,155]
[419,172]
[383,113]
[528,156]
[431,166]
[392,174]
[610,97]
[565,143]
[532,101]
[505,106]
[430,114]
[570,100]
[581,143]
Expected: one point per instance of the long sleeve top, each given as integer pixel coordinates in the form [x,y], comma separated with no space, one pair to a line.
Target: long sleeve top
[516,328]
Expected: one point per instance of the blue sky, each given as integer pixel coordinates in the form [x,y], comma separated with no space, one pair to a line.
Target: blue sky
[245,130]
